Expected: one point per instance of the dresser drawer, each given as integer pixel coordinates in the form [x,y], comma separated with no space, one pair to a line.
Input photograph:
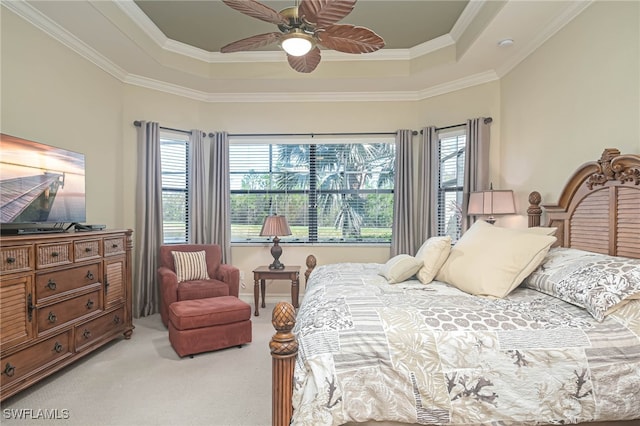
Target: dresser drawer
[114,245]
[86,250]
[31,359]
[16,259]
[61,313]
[105,325]
[54,254]
[54,283]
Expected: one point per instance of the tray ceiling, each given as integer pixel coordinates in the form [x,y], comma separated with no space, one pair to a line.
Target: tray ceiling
[432,47]
[209,25]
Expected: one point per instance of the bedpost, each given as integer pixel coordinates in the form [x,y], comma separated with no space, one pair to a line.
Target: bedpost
[311,264]
[284,349]
[534,211]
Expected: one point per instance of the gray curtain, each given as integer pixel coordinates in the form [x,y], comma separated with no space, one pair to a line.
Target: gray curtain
[402,238]
[198,152]
[426,217]
[476,163]
[148,232]
[219,194]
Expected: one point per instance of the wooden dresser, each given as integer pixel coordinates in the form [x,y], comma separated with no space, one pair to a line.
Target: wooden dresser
[61,296]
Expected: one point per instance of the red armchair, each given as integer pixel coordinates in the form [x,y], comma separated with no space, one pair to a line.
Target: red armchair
[224,279]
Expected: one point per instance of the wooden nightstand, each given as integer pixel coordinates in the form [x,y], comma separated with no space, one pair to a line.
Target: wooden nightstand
[263,273]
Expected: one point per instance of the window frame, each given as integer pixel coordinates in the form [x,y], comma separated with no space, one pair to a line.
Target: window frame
[168,137]
[312,192]
[458,189]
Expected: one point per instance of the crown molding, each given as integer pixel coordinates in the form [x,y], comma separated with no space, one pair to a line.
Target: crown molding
[388,96]
[462,83]
[544,34]
[466,18]
[143,21]
[43,23]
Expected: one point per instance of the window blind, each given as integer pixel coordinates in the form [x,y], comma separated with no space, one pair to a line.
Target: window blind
[451,183]
[329,192]
[174,169]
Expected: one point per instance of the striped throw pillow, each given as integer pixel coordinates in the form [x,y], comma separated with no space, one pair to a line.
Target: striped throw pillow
[190,265]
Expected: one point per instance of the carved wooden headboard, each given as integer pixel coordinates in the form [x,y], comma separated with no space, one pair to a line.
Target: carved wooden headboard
[599,207]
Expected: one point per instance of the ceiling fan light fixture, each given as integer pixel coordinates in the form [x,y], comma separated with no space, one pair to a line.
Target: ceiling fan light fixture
[297,43]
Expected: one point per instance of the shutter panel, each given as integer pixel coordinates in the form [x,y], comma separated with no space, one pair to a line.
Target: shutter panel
[628,215]
[590,223]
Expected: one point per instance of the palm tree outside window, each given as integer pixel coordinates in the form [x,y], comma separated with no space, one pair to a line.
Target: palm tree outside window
[330,191]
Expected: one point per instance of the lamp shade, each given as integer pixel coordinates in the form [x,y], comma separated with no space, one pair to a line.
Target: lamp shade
[274,226]
[491,202]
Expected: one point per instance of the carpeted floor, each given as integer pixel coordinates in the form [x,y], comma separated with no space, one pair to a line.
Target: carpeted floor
[143,382]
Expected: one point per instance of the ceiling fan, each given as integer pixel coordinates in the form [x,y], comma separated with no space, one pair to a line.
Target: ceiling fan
[304,27]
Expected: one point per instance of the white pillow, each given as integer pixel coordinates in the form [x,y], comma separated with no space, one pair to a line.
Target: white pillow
[492,261]
[400,268]
[190,265]
[433,254]
[542,230]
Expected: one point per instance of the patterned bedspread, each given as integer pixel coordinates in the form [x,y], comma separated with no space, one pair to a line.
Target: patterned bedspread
[431,354]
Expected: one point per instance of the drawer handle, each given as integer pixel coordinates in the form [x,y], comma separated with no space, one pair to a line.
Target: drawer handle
[30,307]
[51,284]
[89,304]
[114,245]
[86,334]
[87,249]
[52,317]
[9,370]
[58,347]
[89,275]
[116,319]
[11,260]
[54,254]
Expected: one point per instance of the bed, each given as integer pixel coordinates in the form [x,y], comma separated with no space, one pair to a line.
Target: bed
[560,344]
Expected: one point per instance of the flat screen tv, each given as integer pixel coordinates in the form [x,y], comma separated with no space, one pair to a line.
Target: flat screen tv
[40,185]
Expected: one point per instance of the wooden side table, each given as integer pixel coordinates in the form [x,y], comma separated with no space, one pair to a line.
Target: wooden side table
[262,273]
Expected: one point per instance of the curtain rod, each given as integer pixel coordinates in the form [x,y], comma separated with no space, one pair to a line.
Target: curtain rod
[487,120]
[187,132]
[414,132]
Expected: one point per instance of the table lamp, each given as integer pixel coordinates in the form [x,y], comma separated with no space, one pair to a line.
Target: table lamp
[274,226]
[491,202]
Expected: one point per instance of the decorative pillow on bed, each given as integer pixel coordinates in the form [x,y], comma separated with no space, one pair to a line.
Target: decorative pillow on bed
[492,261]
[596,282]
[433,254]
[542,230]
[400,268]
[190,265]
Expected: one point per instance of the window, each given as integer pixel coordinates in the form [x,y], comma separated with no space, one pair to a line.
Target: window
[175,213]
[451,182]
[329,190]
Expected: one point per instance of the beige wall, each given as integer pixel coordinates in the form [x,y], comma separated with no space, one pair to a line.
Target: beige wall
[576,95]
[52,95]
[177,112]
[561,106]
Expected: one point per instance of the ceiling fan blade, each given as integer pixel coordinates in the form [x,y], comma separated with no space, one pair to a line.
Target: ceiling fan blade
[305,63]
[350,39]
[322,13]
[257,10]
[251,43]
